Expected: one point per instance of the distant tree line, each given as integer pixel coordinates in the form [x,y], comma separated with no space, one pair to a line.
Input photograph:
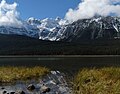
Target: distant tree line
[19,45]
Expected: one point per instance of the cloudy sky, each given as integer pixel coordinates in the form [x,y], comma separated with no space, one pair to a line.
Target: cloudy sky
[44,8]
[71,10]
[89,8]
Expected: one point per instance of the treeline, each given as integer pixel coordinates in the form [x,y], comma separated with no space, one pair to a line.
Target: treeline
[20,45]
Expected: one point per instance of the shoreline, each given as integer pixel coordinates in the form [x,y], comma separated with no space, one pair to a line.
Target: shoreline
[57,56]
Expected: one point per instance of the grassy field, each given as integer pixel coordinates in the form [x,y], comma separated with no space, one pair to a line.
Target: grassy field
[98,81]
[11,74]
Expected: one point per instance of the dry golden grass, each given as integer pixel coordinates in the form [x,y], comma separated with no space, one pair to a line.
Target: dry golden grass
[10,74]
[98,81]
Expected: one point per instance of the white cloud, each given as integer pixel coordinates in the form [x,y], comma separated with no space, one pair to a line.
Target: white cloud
[89,8]
[9,15]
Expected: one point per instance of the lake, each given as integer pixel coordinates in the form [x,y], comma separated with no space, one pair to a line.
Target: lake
[67,64]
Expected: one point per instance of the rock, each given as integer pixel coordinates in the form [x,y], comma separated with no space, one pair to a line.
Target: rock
[12,93]
[20,92]
[45,89]
[31,87]
[53,72]
[4,92]
[2,88]
[53,83]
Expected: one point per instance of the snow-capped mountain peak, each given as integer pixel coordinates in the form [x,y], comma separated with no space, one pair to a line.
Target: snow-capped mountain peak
[33,21]
[60,29]
[49,23]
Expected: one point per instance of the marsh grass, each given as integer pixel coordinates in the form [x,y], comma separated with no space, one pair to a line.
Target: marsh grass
[10,74]
[98,81]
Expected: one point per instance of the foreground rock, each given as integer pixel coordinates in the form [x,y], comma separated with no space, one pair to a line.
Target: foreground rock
[53,83]
[19,92]
[31,87]
[45,89]
[4,92]
[11,92]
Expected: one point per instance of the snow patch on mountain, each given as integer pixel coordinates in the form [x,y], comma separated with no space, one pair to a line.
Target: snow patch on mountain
[48,27]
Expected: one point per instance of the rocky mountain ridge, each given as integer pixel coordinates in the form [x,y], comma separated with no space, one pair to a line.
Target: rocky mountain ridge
[61,30]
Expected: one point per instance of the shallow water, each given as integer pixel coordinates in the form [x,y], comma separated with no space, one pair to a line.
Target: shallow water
[54,80]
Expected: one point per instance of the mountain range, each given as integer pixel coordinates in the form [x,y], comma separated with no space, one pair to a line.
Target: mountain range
[61,30]
[95,36]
